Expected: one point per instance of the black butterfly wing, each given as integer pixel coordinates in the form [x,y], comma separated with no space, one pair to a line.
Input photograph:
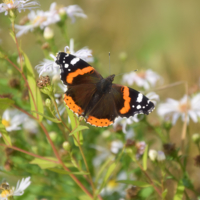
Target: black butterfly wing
[75,71]
[80,79]
[130,102]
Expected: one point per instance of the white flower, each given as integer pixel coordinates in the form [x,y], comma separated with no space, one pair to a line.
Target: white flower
[142,79]
[17,4]
[113,186]
[30,125]
[153,154]
[153,97]
[116,146]
[39,19]
[174,109]
[73,11]
[49,67]
[123,121]
[18,191]
[11,119]
[161,156]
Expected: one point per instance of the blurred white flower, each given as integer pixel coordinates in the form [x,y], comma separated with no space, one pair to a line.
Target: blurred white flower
[161,156]
[73,11]
[114,186]
[18,191]
[49,67]
[45,18]
[18,4]
[30,125]
[123,121]
[174,109]
[12,119]
[153,154]
[39,19]
[142,79]
[116,146]
[153,97]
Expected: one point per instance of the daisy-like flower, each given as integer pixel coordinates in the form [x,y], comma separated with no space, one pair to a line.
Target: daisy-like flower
[173,109]
[42,19]
[142,79]
[49,67]
[12,119]
[7,192]
[17,5]
[39,19]
[122,121]
[73,11]
[153,97]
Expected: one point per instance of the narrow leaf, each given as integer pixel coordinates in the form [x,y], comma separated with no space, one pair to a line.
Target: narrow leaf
[135,183]
[164,194]
[144,159]
[179,191]
[35,90]
[45,164]
[74,123]
[61,171]
[5,103]
[79,128]
[84,197]
[47,117]
[5,135]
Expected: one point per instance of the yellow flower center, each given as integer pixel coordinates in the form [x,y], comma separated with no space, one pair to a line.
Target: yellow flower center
[39,19]
[142,74]
[184,107]
[112,184]
[5,123]
[5,193]
[8,2]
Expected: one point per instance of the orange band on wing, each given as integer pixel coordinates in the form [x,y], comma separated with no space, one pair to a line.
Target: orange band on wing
[72,75]
[71,104]
[127,101]
[98,122]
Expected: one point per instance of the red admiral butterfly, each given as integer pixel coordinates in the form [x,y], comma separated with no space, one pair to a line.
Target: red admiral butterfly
[98,99]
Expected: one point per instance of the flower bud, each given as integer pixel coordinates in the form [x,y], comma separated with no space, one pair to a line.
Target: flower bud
[66,145]
[123,56]
[161,156]
[106,133]
[153,154]
[196,137]
[53,136]
[48,103]
[48,33]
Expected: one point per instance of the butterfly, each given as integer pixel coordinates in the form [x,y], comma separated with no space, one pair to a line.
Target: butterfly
[98,99]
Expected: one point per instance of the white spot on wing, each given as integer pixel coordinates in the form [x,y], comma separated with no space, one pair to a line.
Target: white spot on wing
[139,106]
[133,106]
[66,65]
[69,69]
[139,98]
[74,61]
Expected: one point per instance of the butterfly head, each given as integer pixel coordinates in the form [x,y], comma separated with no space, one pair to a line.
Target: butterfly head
[111,78]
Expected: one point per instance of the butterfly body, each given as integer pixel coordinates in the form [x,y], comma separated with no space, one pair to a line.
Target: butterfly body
[97,99]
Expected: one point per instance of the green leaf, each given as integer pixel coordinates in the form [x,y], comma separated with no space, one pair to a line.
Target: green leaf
[61,171]
[35,90]
[47,117]
[135,183]
[79,128]
[74,123]
[5,135]
[179,191]
[84,197]
[144,159]
[45,164]
[106,177]
[146,192]
[5,103]
[164,193]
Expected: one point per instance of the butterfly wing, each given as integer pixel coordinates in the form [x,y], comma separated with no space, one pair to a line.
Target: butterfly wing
[130,102]
[75,71]
[80,79]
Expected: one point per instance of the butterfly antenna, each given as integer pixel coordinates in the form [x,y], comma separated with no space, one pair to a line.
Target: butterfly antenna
[109,63]
[125,73]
